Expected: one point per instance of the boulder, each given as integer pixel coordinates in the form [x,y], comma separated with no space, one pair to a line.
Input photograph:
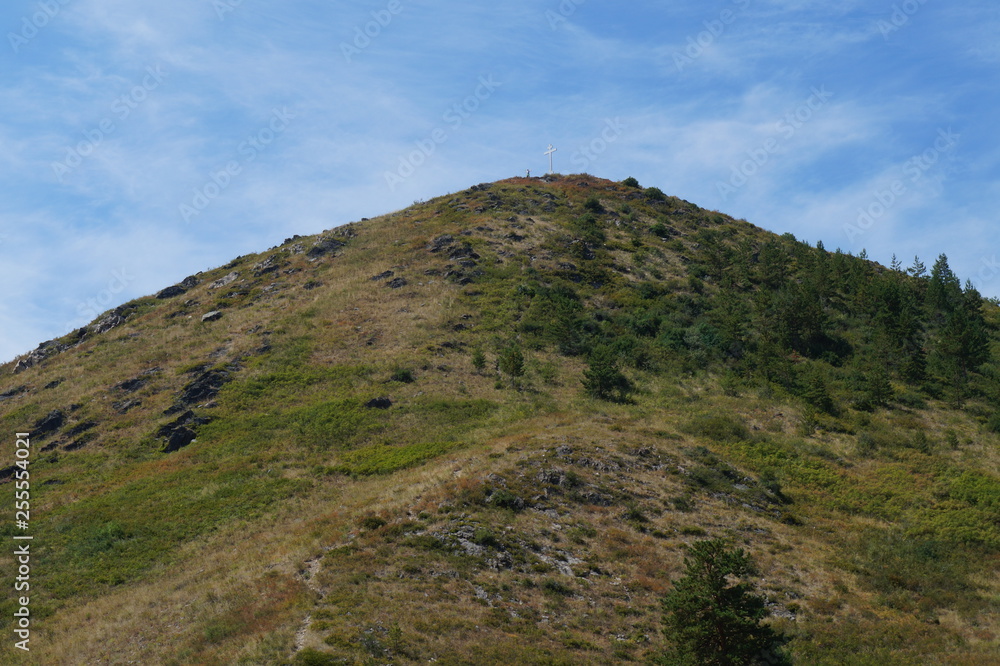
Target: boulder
[211,316]
[179,439]
[379,403]
[225,281]
[325,245]
[440,243]
[170,292]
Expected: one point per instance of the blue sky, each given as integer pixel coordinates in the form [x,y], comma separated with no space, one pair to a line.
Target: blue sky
[143,142]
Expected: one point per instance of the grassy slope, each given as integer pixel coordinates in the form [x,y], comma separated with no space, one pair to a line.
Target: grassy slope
[472,522]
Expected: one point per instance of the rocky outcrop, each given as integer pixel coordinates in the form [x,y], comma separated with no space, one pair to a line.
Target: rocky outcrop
[181,431]
[324,246]
[171,292]
[225,281]
[48,424]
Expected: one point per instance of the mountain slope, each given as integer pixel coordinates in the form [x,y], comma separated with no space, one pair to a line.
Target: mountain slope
[376,444]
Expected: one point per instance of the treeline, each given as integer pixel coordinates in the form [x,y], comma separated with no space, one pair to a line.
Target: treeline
[835,329]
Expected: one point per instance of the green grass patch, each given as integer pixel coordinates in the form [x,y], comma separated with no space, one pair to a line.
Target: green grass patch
[385,459]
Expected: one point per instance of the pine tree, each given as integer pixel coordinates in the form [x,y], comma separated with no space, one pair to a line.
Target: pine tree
[478,360]
[944,291]
[602,379]
[713,621]
[511,361]
[917,270]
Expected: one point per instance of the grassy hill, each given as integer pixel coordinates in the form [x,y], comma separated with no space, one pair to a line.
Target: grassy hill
[481,430]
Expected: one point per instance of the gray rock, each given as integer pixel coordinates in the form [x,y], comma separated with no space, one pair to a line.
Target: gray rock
[325,245]
[171,292]
[211,316]
[225,281]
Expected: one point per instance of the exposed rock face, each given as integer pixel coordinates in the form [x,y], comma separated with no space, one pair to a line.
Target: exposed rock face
[39,354]
[269,265]
[379,403]
[205,387]
[109,321]
[179,439]
[225,281]
[211,316]
[170,292]
[440,243]
[13,393]
[48,424]
[179,432]
[397,283]
[124,405]
[325,245]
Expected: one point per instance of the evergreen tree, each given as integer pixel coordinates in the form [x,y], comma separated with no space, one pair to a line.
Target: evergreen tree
[478,359]
[944,291]
[511,361]
[917,270]
[713,621]
[602,379]
[962,343]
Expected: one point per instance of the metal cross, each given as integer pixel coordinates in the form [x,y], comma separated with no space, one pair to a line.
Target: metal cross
[549,153]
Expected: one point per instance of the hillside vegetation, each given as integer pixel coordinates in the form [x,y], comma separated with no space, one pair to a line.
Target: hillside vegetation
[482,430]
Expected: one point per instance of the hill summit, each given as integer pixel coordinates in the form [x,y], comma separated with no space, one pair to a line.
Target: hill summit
[482,430]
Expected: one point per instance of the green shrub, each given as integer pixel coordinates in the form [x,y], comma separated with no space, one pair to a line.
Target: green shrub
[655,194]
[593,204]
[631,182]
[384,459]
[371,522]
[717,427]
[558,588]
[404,375]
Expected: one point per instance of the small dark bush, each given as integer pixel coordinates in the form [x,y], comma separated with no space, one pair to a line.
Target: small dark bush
[372,522]
[593,204]
[311,657]
[552,586]
[506,500]
[631,182]
[404,375]
[655,194]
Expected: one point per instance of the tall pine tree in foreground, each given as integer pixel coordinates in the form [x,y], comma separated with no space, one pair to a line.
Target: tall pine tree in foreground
[713,617]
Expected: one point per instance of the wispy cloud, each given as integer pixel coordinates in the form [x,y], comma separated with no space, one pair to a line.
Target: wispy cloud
[684,129]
